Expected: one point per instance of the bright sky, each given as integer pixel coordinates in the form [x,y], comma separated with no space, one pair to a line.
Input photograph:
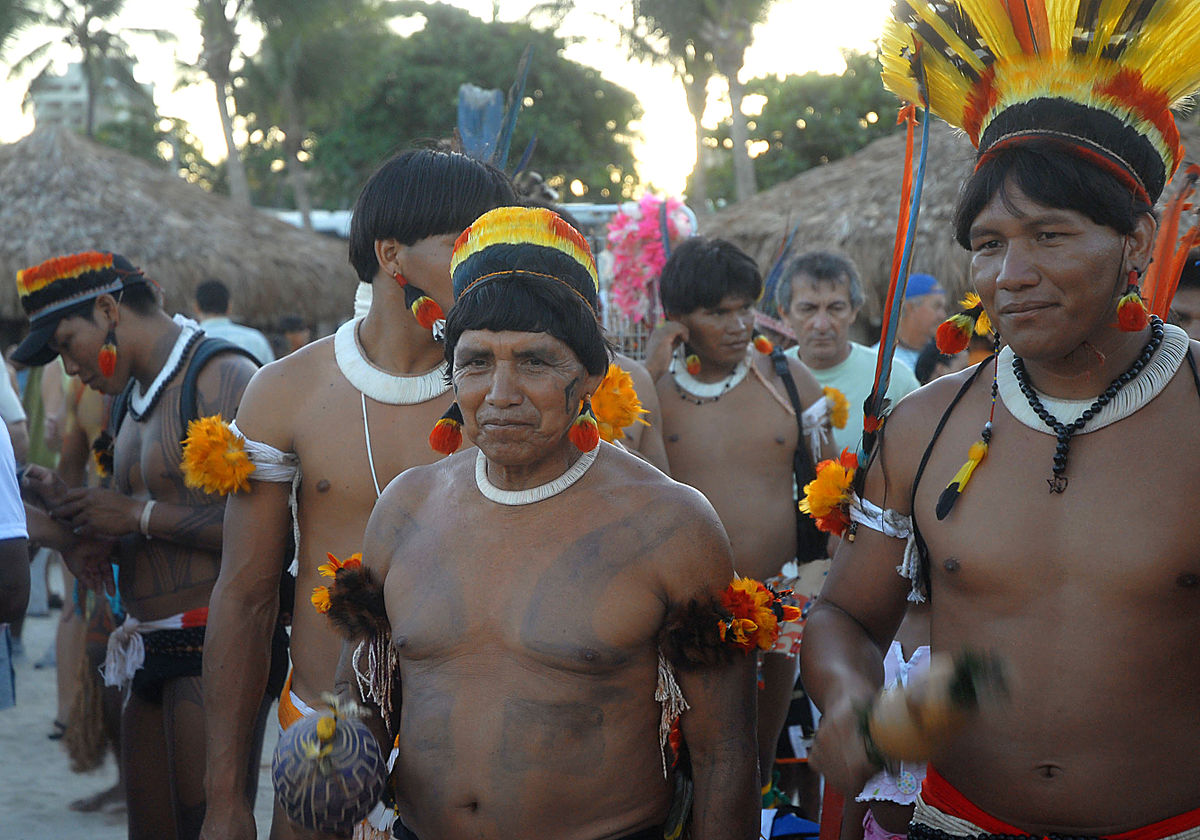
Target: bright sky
[799,35]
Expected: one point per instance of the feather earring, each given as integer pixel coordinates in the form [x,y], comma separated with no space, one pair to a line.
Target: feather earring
[446,436]
[584,432]
[106,360]
[1131,309]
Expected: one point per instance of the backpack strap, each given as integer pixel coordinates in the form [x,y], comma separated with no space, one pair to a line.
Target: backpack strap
[189,406]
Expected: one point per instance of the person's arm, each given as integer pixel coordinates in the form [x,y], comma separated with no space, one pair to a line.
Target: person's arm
[241,617]
[660,345]
[719,726]
[18,433]
[101,513]
[14,579]
[649,442]
[54,405]
[855,617]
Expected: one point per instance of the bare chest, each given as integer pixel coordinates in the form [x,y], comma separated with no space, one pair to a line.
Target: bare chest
[537,588]
[147,453]
[747,428]
[350,448]
[1121,536]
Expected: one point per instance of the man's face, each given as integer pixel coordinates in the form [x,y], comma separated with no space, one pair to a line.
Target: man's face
[519,393]
[1049,278]
[1186,306]
[78,340]
[922,315]
[719,335]
[426,264]
[820,314]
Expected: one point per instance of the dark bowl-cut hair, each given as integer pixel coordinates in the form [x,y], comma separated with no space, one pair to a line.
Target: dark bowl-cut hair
[528,303]
[1050,176]
[421,193]
[703,271]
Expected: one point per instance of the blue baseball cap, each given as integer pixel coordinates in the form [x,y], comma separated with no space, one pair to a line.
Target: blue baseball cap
[920,285]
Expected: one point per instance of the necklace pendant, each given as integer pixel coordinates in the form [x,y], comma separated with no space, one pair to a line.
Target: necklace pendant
[1058,484]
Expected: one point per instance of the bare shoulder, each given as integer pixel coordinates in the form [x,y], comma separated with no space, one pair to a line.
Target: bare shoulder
[274,394]
[221,383]
[696,547]
[912,421]
[642,382]
[810,390]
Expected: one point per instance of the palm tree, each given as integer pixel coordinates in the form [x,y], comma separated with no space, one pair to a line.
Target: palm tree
[218,25]
[15,16]
[102,50]
[314,52]
[697,39]
[723,31]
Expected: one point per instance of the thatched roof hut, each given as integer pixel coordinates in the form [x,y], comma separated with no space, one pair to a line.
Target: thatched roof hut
[60,193]
[851,206]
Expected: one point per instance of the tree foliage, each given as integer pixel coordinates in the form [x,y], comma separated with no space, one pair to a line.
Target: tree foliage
[84,25]
[580,120]
[806,121]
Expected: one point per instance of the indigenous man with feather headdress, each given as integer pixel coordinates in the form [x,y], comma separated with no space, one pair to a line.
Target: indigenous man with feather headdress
[548,610]
[1065,544]
[325,430]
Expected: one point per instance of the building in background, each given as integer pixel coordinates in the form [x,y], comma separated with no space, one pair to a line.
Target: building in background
[61,99]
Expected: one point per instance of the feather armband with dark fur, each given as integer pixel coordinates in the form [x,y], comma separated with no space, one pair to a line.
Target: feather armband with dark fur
[354,603]
[747,615]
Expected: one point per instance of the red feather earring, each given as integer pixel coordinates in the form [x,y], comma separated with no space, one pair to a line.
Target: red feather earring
[584,432]
[107,358]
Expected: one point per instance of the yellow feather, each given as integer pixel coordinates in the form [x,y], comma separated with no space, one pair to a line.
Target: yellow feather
[1168,48]
[943,29]
[994,25]
[1060,14]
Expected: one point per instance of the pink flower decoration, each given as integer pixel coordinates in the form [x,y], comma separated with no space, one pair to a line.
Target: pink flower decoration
[635,242]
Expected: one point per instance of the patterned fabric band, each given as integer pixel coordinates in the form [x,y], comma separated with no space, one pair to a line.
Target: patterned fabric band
[275,465]
[127,650]
[943,813]
[897,525]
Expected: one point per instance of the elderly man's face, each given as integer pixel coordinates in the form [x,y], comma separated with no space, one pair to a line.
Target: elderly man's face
[519,393]
[820,314]
[922,315]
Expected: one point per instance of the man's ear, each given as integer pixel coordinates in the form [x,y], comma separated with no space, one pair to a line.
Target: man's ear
[106,311]
[1140,244]
[388,253]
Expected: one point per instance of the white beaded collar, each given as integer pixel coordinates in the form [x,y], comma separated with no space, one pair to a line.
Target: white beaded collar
[377,383]
[140,403]
[705,390]
[1140,391]
[533,494]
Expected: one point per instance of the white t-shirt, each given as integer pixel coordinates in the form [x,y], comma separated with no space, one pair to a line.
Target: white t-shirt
[853,377]
[12,509]
[11,410]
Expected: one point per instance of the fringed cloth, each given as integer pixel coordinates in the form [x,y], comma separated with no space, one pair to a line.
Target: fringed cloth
[896,525]
[276,466]
[126,650]
[943,813]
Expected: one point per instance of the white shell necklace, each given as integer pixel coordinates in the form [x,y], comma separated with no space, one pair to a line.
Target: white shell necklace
[1148,384]
[377,383]
[711,391]
[141,404]
[533,494]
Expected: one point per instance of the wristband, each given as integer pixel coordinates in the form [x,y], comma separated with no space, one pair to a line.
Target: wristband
[144,520]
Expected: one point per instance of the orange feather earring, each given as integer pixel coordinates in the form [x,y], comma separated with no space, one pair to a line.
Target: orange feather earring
[107,358]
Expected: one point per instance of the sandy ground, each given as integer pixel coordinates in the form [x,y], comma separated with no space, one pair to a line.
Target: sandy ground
[36,781]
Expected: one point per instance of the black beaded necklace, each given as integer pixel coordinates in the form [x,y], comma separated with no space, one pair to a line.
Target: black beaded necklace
[1064,432]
